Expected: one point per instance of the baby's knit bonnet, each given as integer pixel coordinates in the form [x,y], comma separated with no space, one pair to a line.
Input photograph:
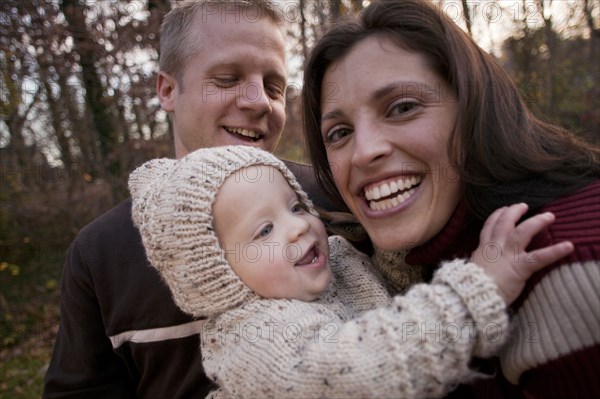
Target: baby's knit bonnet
[172,208]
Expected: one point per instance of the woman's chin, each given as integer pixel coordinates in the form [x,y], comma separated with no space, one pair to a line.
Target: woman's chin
[391,241]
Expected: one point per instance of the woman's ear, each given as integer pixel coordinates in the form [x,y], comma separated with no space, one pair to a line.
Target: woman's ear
[166,87]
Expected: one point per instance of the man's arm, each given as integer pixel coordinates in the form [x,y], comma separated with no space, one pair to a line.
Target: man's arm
[119,326]
[83,363]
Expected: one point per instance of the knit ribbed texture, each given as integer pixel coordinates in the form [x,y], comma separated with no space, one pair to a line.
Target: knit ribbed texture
[418,345]
[578,221]
[458,239]
[554,348]
[360,289]
[398,275]
[480,294]
[172,208]
[558,313]
[546,328]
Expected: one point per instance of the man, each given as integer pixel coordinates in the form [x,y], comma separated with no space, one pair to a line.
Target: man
[222,79]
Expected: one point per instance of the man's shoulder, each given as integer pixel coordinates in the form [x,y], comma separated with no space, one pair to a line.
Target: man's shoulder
[300,170]
[305,175]
[112,225]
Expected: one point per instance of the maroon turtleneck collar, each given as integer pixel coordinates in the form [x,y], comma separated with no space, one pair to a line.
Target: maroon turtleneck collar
[458,238]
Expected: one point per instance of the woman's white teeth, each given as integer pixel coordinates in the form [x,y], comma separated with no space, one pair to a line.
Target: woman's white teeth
[391,202]
[385,189]
[244,132]
[375,193]
[314,260]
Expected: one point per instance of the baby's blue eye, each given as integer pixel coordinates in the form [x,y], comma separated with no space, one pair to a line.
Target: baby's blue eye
[297,208]
[266,231]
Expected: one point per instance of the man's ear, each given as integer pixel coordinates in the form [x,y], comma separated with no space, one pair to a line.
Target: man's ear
[166,87]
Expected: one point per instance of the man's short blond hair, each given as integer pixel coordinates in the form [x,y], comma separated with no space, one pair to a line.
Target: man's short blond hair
[175,47]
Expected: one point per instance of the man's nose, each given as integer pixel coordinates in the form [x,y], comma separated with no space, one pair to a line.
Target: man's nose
[253,97]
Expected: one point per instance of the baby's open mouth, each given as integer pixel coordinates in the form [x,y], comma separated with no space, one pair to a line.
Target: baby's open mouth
[312,256]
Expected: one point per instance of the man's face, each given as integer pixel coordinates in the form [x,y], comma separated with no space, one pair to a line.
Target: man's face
[233,87]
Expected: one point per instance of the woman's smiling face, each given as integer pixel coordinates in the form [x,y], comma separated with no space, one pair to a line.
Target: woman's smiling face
[386,121]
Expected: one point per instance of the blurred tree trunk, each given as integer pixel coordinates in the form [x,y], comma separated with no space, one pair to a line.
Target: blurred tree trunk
[159,5]
[303,23]
[335,11]
[15,118]
[56,120]
[594,45]
[140,119]
[551,43]
[357,5]
[557,71]
[591,120]
[79,123]
[102,116]
[20,153]
[468,20]
[120,98]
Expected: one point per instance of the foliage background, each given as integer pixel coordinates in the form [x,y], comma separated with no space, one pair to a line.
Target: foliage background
[78,112]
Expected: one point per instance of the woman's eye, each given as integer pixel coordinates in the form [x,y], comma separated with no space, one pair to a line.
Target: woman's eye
[402,108]
[337,133]
[265,231]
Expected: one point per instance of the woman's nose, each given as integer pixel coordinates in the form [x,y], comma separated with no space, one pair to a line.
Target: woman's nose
[371,145]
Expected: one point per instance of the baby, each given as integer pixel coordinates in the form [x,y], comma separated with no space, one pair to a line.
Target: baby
[292,313]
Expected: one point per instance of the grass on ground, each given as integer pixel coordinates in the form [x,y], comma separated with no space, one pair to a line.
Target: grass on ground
[29,304]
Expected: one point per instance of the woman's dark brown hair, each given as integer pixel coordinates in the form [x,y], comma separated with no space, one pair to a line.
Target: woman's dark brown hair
[504,154]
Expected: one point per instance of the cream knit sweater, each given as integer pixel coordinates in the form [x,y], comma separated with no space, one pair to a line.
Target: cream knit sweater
[356,341]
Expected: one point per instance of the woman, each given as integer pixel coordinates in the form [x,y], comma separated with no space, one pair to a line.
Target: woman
[422,135]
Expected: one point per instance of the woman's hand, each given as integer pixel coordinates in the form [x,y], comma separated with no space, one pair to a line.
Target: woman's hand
[501,251]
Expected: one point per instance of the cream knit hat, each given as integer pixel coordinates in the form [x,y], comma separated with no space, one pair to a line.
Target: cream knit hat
[172,208]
